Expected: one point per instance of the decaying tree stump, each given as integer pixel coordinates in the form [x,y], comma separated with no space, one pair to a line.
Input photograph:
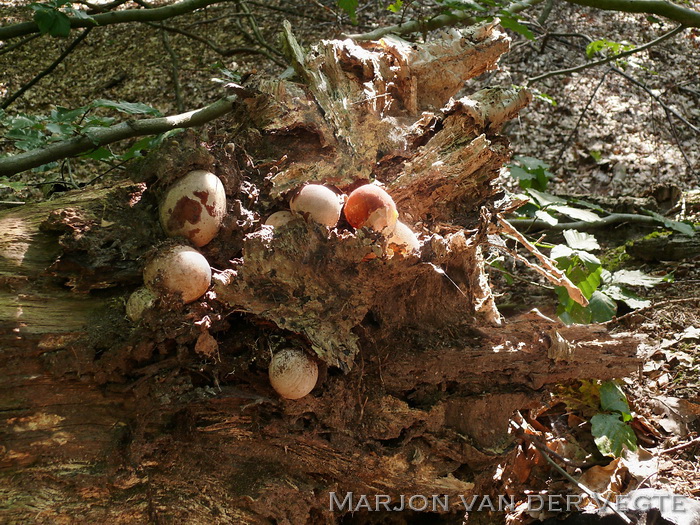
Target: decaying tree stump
[173,419]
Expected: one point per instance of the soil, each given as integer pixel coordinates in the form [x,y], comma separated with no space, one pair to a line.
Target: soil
[609,138]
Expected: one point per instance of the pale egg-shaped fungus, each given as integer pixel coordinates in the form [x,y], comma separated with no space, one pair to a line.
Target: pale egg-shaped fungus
[320,204]
[194,207]
[139,301]
[178,270]
[403,239]
[293,373]
[279,218]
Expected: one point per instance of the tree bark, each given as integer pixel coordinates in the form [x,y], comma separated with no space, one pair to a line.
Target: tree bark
[173,419]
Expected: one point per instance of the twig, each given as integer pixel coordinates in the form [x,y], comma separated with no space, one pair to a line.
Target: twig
[295,12]
[612,58]
[656,97]
[517,277]
[114,17]
[547,268]
[682,446]
[678,141]
[256,30]
[598,498]
[96,137]
[530,438]
[14,46]
[421,26]
[94,9]
[659,304]
[261,51]
[219,50]
[10,99]
[174,70]
[544,15]
[614,218]
[572,134]
[682,15]
[12,203]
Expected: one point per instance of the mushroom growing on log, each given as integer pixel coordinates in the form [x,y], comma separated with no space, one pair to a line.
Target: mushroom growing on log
[173,419]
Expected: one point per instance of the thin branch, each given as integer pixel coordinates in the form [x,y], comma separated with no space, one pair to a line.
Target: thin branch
[682,446]
[115,17]
[603,222]
[654,306]
[16,45]
[546,268]
[664,8]
[256,30]
[294,12]
[598,498]
[422,26]
[657,98]
[612,58]
[174,70]
[93,8]
[211,45]
[263,52]
[572,134]
[10,99]
[544,15]
[95,137]
[674,132]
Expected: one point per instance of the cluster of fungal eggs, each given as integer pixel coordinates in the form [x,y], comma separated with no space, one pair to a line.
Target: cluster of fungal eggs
[368,206]
[194,208]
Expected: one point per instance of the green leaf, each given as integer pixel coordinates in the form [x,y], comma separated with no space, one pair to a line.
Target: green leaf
[511,23]
[396,6]
[681,227]
[611,434]
[61,114]
[545,199]
[350,7]
[131,108]
[546,217]
[531,163]
[626,296]
[51,21]
[561,252]
[613,399]
[608,45]
[635,278]
[576,213]
[602,307]
[61,130]
[13,185]
[581,241]
[100,153]
[586,281]
[80,14]
[549,99]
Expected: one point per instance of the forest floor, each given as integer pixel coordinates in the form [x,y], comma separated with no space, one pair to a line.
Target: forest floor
[602,133]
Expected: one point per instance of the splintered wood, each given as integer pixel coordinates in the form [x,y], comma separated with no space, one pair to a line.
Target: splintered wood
[173,419]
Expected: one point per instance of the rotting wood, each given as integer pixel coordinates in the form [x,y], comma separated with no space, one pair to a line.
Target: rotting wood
[105,421]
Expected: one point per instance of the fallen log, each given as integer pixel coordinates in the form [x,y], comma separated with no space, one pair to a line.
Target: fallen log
[172,419]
